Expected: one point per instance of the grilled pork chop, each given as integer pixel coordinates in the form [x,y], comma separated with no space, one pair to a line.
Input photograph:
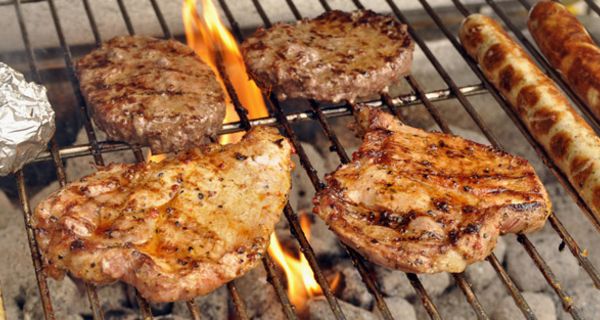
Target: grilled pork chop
[336,56]
[428,202]
[174,229]
[152,92]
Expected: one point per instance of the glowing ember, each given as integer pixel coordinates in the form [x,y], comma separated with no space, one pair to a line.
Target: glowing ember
[212,41]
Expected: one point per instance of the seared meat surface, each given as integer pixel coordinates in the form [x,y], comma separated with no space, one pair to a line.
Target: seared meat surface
[336,56]
[428,202]
[152,92]
[175,229]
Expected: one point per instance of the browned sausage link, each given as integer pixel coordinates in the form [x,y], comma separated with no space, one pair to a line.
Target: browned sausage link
[569,48]
[549,116]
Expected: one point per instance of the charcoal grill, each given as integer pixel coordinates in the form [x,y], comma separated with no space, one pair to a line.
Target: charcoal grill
[321,115]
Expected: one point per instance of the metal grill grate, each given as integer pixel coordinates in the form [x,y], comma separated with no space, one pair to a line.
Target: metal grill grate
[322,114]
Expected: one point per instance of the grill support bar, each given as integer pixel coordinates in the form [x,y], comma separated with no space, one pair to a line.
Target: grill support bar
[322,114]
[573,247]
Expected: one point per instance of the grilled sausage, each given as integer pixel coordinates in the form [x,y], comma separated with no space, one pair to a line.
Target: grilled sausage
[548,115]
[569,48]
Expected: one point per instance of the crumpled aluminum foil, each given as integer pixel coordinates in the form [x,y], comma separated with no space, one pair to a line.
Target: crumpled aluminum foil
[26,120]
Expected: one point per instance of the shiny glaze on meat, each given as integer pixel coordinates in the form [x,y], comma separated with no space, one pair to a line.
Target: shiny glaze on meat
[336,56]
[152,92]
[569,48]
[551,119]
[428,202]
[175,229]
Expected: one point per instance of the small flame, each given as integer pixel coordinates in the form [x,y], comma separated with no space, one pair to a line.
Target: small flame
[211,40]
[156,157]
[301,281]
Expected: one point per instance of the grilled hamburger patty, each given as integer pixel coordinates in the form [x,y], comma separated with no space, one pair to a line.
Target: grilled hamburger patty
[152,92]
[429,202]
[336,56]
[174,229]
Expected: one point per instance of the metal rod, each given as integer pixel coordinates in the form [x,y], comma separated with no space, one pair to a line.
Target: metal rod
[92,21]
[92,295]
[593,5]
[288,308]
[425,298]
[446,77]
[238,303]
[442,123]
[478,120]
[75,85]
[293,218]
[126,18]
[33,247]
[566,300]
[512,288]
[193,308]
[91,292]
[512,115]
[145,309]
[98,158]
[539,261]
[262,13]
[329,112]
[161,20]
[470,295]
[237,32]
[245,124]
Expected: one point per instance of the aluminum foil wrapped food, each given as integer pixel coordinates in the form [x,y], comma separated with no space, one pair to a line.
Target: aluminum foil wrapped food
[26,120]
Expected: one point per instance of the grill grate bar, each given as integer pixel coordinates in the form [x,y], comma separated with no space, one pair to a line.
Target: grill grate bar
[425,299]
[194,311]
[98,158]
[92,21]
[237,32]
[75,85]
[126,18]
[550,278]
[330,112]
[40,277]
[558,226]
[240,306]
[470,295]
[33,247]
[161,20]
[550,71]
[475,116]
[293,218]
[442,123]
[358,262]
[594,6]
[538,260]
[321,114]
[279,289]
[276,282]
[512,288]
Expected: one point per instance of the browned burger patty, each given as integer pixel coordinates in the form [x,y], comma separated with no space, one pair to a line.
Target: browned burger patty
[152,92]
[336,56]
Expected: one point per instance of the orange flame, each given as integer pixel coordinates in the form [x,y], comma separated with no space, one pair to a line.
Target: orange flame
[211,40]
[300,277]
